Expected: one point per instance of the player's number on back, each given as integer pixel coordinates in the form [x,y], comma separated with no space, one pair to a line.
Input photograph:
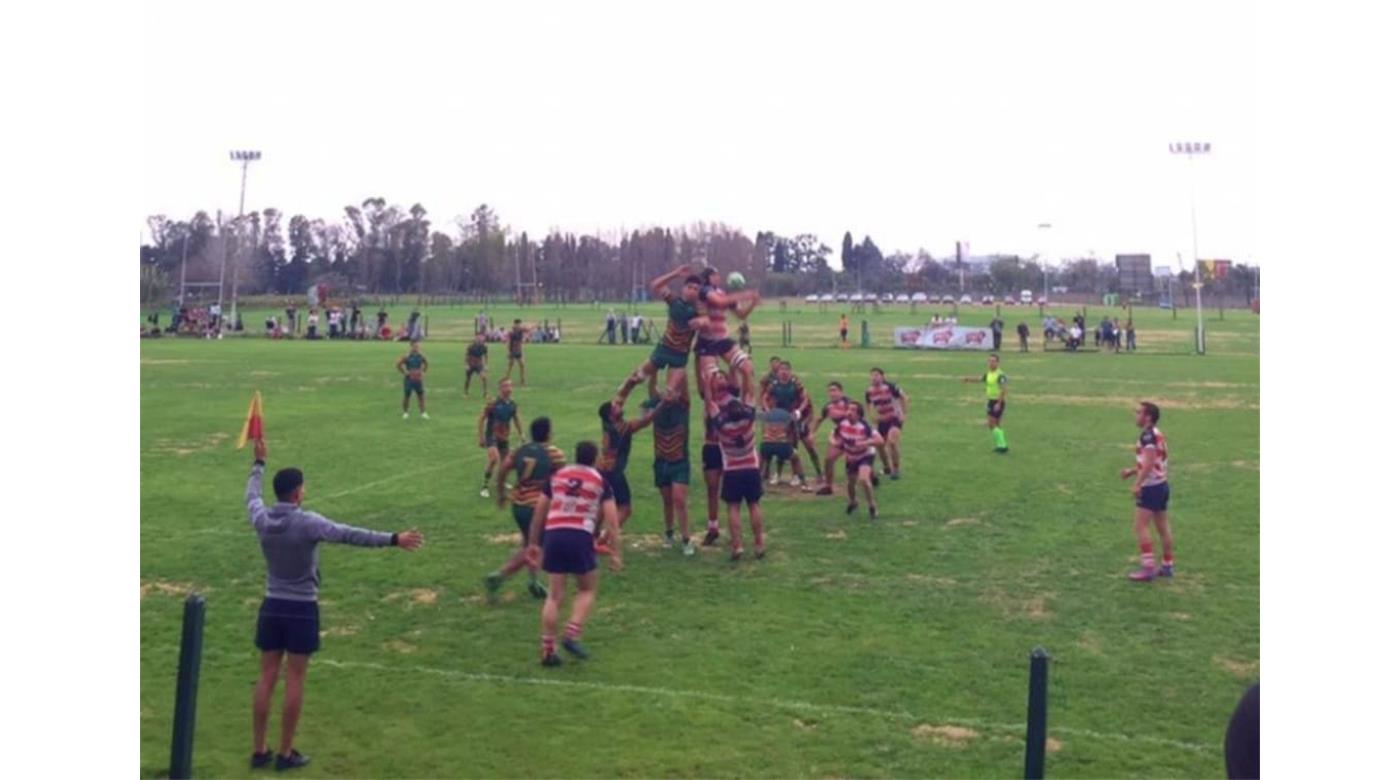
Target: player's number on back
[575,488]
[527,467]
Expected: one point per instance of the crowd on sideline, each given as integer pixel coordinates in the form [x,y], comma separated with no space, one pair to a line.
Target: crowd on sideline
[625,329]
[1108,334]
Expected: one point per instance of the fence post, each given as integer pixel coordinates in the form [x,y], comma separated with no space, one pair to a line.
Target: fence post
[864,334]
[186,687]
[1036,714]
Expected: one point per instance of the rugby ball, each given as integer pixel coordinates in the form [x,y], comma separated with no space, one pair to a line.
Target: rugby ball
[736,281]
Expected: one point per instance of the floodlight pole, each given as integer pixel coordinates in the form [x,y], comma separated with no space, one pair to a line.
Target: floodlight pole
[1191,149]
[1045,266]
[244,157]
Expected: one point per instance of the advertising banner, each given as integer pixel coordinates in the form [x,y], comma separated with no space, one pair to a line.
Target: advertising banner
[944,337]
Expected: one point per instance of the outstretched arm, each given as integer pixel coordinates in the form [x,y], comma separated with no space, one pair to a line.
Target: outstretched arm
[330,531]
[659,283]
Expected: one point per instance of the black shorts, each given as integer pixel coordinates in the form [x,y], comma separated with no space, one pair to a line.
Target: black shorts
[884,426]
[622,493]
[800,429]
[853,466]
[710,455]
[502,446]
[718,348]
[475,370]
[743,486]
[293,626]
[517,355]
[996,408]
[781,450]
[1154,497]
[843,334]
[569,551]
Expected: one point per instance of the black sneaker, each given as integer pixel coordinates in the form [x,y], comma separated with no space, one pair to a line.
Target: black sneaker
[293,761]
[575,649]
[1002,450]
[552,659]
[537,589]
[736,555]
[873,514]
[711,536]
[850,508]
[261,760]
[760,553]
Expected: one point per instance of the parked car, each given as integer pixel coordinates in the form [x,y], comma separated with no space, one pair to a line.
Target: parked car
[1041,300]
[871,297]
[812,298]
[920,298]
[1026,297]
[827,298]
[966,299]
[1009,300]
[887,298]
[949,299]
[842,297]
[904,297]
[989,300]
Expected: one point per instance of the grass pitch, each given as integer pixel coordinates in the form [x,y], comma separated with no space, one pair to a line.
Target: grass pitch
[894,649]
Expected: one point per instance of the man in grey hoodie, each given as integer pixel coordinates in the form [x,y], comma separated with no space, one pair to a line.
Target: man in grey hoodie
[289,620]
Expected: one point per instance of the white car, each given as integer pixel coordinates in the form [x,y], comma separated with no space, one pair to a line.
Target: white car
[842,297]
[989,300]
[920,298]
[827,298]
[812,298]
[949,299]
[967,299]
[887,298]
[904,297]
[871,297]
[1040,300]
[1009,300]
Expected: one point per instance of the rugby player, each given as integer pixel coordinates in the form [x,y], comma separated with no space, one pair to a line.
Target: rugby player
[516,349]
[476,363]
[768,378]
[501,412]
[844,328]
[836,409]
[713,343]
[533,463]
[671,466]
[713,464]
[1151,493]
[617,447]
[413,366]
[858,442]
[742,482]
[777,445]
[995,381]
[561,540]
[786,392]
[891,409]
[683,319]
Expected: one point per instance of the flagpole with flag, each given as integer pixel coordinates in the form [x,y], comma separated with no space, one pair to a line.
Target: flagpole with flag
[253,423]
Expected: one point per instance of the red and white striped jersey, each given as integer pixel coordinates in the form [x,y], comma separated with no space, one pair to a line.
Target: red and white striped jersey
[576,495]
[1152,439]
[717,326]
[736,436]
[852,435]
[883,397]
[837,410]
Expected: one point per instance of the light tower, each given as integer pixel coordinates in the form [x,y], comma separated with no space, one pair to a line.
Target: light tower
[244,158]
[1191,149]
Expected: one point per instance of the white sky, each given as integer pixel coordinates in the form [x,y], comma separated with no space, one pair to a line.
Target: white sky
[974,121]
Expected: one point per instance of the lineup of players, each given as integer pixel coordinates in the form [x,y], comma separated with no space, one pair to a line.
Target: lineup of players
[752,432]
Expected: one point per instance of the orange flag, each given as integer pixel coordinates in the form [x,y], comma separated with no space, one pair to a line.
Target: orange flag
[253,425]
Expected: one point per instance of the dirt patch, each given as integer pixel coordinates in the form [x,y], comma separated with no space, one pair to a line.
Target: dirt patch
[945,735]
[644,541]
[927,579]
[1032,606]
[804,725]
[1064,489]
[838,534]
[511,539]
[1053,745]
[164,588]
[400,646]
[264,373]
[347,630]
[1244,670]
[414,596]
[1089,643]
[909,523]
[1247,465]
[1182,616]
[960,521]
[185,447]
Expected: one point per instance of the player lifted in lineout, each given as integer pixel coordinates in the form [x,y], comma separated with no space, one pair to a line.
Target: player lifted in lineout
[1151,493]
[858,442]
[413,366]
[683,319]
[476,363]
[533,463]
[713,343]
[891,409]
[501,412]
[995,382]
[575,499]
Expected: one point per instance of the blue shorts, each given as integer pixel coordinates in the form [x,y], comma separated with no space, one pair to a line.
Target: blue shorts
[293,626]
[1154,497]
[712,458]
[622,492]
[569,551]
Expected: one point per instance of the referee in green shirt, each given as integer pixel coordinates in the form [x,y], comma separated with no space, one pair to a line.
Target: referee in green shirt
[995,382]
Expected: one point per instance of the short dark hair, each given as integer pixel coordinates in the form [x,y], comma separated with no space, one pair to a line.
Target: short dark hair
[539,429]
[693,279]
[835,384]
[786,364]
[709,270]
[877,368]
[775,359]
[586,453]
[286,483]
[995,355]
[605,411]
[517,321]
[1152,411]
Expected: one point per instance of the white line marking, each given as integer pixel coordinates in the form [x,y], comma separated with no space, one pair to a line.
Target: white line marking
[791,704]
[396,478]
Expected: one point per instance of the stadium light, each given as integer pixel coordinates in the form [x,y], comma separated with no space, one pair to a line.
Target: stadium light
[244,157]
[1045,265]
[1191,149]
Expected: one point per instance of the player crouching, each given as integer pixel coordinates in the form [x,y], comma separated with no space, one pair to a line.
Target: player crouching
[561,540]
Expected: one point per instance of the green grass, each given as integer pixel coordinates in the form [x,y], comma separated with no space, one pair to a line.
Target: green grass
[838,656]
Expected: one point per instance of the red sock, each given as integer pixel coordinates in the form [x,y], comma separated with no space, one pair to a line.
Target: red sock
[546,645]
[1167,559]
[572,631]
[1146,555]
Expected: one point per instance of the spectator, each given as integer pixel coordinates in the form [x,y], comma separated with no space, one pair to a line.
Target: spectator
[1132,336]
[997,326]
[1023,331]
[356,320]
[1117,336]
[270,327]
[312,320]
[612,326]
[636,327]
[238,322]
[1076,337]
[291,318]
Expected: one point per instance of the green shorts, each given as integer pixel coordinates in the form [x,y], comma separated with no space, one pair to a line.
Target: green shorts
[671,473]
[665,357]
[411,386]
[523,517]
[780,450]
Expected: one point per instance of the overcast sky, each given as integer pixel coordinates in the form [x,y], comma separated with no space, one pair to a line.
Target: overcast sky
[974,122]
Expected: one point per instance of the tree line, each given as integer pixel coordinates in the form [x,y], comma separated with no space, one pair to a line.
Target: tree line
[378,248]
